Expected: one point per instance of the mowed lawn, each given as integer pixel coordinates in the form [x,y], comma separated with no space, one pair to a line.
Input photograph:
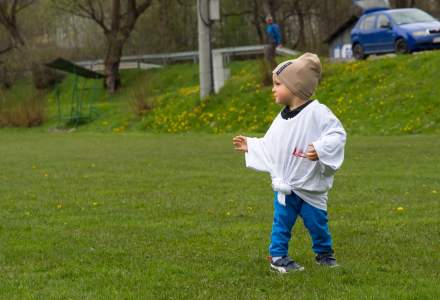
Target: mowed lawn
[149,216]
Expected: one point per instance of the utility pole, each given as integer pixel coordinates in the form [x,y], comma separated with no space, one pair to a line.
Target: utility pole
[207,12]
[205,64]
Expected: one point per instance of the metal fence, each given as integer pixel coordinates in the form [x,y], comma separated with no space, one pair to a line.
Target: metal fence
[220,58]
[149,61]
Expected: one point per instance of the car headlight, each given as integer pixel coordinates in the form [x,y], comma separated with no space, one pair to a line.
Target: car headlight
[420,33]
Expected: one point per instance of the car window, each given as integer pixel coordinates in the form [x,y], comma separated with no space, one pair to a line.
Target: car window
[408,16]
[368,23]
[382,21]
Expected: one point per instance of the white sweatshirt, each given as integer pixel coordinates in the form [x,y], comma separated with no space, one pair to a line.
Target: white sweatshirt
[281,152]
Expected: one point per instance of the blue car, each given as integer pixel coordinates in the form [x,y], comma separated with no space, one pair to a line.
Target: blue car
[394,30]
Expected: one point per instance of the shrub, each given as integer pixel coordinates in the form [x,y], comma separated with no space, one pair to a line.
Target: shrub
[28,112]
[44,77]
[140,104]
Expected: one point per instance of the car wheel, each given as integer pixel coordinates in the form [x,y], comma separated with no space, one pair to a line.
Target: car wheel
[358,52]
[401,46]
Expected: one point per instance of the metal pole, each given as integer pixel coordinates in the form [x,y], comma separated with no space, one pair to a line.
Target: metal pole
[205,64]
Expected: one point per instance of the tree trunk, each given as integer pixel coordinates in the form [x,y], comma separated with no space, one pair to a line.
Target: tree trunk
[301,34]
[16,37]
[257,21]
[404,3]
[111,63]
[16,40]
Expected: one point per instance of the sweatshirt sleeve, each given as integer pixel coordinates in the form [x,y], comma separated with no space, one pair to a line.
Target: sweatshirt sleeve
[330,145]
[257,157]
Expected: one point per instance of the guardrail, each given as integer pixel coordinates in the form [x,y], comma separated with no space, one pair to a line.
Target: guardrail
[149,61]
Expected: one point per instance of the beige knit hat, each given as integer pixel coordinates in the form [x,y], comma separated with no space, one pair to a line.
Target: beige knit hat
[301,76]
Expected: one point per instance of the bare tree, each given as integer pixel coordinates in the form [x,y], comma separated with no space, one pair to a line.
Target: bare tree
[404,3]
[8,20]
[117,20]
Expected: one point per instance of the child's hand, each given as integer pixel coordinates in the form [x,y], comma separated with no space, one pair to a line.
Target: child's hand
[311,153]
[240,143]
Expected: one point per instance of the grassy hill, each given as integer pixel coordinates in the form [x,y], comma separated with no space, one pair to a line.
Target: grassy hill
[387,96]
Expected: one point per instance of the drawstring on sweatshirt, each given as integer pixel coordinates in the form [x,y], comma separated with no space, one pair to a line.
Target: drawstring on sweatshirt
[283,189]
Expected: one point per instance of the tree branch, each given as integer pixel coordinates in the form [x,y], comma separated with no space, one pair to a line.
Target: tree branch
[24,4]
[8,48]
[245,12]
[83,10]
[116,15]
[142,7]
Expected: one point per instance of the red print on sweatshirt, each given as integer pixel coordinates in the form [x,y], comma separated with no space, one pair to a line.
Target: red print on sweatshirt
[298,153]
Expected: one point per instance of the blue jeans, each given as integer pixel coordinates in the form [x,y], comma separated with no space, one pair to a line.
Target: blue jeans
[315,220]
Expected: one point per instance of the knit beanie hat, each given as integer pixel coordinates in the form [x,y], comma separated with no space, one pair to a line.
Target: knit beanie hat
[301,76]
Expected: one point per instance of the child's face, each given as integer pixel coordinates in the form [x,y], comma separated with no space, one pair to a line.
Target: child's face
[280,92]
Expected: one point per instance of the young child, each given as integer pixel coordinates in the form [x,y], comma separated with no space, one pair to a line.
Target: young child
[302,150]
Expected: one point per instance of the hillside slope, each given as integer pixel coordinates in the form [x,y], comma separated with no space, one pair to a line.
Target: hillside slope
[388,96]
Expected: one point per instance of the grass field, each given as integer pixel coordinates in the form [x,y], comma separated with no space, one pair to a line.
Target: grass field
[157,216]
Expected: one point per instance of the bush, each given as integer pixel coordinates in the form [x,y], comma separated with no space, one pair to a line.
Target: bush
[44,77]
[29,112]
[6,79]
[140,104]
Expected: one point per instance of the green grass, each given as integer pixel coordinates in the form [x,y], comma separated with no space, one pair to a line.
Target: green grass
[155,216]
[390,96]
